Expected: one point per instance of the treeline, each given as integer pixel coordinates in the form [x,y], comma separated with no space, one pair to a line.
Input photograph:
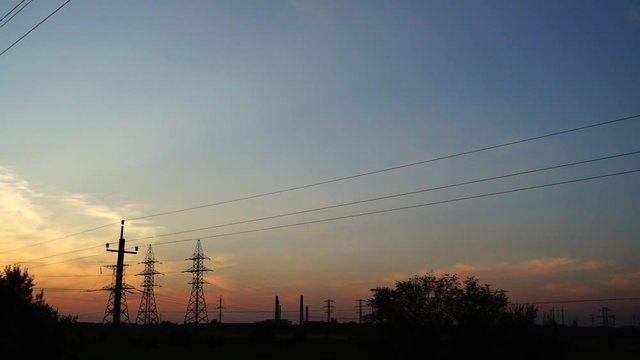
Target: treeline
[434,317]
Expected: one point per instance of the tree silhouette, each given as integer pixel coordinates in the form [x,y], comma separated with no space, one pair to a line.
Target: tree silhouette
[479,305]
[27,321]
[443,301]
[521,315]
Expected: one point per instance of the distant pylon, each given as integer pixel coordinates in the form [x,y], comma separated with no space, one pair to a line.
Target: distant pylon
[219,308]
[148,312]
[329,307]
[197,308]
[124,309]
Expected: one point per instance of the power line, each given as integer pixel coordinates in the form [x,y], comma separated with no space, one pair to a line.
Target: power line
[64,253]
[379,211]
[59,238]
[10,11]
[66,260]
[33,28]
[538,137]
[68,276]
[603,123]
[250,310]
[391,196]
[46,289]
[404,207]
[16,13]
[368,213]
[95,275]
[320,208]
[581,301]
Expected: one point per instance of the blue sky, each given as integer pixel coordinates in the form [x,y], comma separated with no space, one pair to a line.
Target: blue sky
[119,109]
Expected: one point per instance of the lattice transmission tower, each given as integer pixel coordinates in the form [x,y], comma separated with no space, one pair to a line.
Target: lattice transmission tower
[197,308]
[148,311]
[124,310]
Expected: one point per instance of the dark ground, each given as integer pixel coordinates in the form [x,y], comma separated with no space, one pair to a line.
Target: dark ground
[349,341]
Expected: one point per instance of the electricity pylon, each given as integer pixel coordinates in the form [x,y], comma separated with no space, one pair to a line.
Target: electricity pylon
[197,308]
[148,312]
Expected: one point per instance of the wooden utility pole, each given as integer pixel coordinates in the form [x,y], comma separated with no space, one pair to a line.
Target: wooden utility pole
[119,271]
[328,307]
[220,310]
[360,309]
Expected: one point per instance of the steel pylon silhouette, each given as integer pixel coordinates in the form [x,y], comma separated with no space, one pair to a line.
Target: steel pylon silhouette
[197,308]
[148,312]
[124,309]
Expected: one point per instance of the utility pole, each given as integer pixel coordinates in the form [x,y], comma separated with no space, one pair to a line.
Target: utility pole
[220,310]
[124,309]
[360,309]
[119,273]
[277,309]
[306,313]
[328,307]
[551,315]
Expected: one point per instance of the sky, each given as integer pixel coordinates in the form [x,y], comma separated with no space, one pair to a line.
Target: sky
[124,109]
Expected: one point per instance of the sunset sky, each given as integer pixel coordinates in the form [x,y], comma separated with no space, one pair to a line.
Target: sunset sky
[117,110]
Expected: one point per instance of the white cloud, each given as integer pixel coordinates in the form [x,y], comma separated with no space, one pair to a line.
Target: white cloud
[18,209]
[49,218]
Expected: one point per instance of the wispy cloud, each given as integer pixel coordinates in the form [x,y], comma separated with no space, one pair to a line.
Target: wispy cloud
[223,261]
[221,282]
[525,268]
[18,209]
[568,289]
[624,281]
[392,278]
[48,218]
[83,204]
[532,271]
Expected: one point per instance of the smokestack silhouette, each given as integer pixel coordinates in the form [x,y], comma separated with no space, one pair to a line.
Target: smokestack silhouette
[301,309]
[277,310]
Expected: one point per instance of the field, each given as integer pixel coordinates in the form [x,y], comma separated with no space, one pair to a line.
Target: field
[353,341]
